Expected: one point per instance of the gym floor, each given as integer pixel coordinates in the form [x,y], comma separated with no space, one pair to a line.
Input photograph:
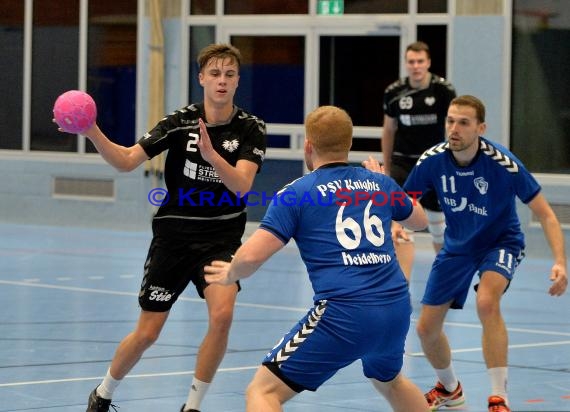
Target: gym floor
[70,296]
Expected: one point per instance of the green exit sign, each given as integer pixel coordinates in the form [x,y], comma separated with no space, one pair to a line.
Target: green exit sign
[330,7]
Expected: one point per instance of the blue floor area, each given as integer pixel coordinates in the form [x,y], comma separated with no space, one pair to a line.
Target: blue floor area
[69,296]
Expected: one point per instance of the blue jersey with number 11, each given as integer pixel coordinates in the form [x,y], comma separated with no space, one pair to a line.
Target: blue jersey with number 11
[478,200]
[340,218]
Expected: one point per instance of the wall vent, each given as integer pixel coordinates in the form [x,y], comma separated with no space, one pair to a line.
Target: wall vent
[562,212]
[92,189]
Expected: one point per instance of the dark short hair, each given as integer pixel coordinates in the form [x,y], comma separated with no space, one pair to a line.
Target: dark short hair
[419,46]
[219,51]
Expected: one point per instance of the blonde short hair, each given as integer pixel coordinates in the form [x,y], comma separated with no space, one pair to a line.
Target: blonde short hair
[329,130]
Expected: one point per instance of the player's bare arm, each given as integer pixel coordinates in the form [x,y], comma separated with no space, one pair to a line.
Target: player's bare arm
[555,237]
[122,158]
[260,246]
[389,132]
[417,220]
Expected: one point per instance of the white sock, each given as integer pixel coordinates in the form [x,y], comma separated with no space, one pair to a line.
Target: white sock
[447,378]
[107,387]
[499,381]
[197,392]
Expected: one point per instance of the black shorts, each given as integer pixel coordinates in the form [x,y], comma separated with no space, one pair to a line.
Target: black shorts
[177,255]
[401,168]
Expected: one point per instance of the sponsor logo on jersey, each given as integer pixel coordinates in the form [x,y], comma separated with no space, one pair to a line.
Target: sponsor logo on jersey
[230,145]
[190,169]
[200,172]
[418,119]
[455,207]
[259,153]
[463,205]
[481,184]
[406,103]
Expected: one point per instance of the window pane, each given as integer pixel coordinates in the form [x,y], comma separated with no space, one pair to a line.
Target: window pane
[11,44]
[201,7]
[55,56]
[200,37]
[375,6]
[272,78]
[540,108]
[266,6]
[436,38]
[432,6]
[111,71]
[354,72]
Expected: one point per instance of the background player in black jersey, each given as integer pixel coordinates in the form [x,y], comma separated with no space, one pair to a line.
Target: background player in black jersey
[214,149]
[414,120]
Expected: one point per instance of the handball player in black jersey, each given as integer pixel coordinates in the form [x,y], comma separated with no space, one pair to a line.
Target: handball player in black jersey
[415,108]
[215,149]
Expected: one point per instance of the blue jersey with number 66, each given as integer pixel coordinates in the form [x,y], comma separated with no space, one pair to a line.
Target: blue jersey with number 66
[340,218]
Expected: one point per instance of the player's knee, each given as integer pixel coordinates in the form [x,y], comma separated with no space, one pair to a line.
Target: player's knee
[487,306]
[221,318]
[436,225]
[146,338]
[426,333]
[256,395]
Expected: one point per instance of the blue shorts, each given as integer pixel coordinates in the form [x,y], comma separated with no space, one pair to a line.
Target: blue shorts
[451,275]
[335,334]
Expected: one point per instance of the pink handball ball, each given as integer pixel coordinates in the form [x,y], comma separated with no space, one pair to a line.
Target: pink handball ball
[74,111]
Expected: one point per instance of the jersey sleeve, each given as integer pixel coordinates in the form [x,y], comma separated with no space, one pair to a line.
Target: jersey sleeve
[388,96]
[526,186]
[282,216]
[417,181]
[402,206]
[448,92]
[157,140]
[254,143]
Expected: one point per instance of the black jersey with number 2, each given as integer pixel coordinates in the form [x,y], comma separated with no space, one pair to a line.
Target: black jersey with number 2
[194,188]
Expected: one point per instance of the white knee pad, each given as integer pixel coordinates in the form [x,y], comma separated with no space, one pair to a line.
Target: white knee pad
[436,225]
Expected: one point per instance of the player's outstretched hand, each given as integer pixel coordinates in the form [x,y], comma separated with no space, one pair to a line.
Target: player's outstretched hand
[373,165]
[204,143]
[559,277]
[218,272]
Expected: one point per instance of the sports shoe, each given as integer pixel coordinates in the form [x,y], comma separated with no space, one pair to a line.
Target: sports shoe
[189,410]
[439,396]
[98,404]
[498,404]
